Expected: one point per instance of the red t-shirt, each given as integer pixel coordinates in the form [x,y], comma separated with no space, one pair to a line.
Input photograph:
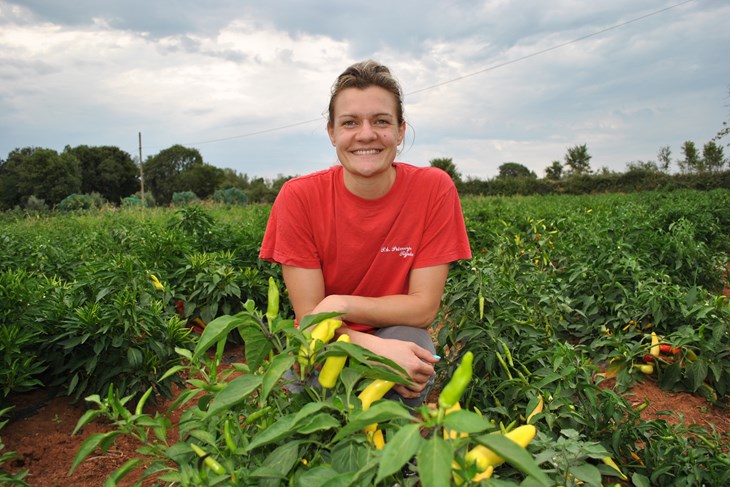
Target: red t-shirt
[367,247]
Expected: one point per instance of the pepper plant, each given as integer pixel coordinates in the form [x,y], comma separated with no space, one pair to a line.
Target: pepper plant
[256,423]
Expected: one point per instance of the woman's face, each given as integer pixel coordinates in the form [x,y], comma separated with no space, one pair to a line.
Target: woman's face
[365,131]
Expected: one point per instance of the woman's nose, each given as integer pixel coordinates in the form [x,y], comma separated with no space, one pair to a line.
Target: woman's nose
[366,132]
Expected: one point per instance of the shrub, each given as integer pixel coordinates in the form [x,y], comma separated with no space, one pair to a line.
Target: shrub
[75,202]
[35,204]
[184,198]
[230,196]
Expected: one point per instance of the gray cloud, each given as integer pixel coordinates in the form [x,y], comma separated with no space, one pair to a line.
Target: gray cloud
[486,82]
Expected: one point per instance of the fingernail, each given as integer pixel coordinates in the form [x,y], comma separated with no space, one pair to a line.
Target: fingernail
[437,357]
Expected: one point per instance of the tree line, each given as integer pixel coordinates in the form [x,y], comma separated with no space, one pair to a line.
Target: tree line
[83,176]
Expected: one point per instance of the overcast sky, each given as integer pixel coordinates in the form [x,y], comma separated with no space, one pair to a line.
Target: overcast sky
[247,82]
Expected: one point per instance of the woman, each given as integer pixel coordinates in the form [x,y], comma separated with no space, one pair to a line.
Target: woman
[371,238]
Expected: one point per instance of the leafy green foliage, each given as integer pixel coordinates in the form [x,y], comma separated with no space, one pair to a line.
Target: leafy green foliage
[266,426]
[5,477]
[74,202]
[183,198]
[20,333]
[560,290]
[230,196]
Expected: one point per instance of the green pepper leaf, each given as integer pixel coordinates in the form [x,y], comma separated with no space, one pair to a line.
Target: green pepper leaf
[234,392]
[516,456]
[398,450]
[434,462]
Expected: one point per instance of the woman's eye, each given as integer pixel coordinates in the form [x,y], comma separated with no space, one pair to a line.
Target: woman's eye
[348,123]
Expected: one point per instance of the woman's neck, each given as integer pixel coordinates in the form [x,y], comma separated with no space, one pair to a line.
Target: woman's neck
[370,188]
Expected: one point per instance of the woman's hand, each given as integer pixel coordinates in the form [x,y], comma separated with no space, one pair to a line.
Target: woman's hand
[415,360]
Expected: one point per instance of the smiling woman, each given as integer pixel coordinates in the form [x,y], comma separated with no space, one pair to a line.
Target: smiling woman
[371,238]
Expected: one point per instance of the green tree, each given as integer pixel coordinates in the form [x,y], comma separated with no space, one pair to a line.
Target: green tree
[713,156]
[515,170]
[260,191]
[202,179]
[106,170]
[554,171]
[232,179]
[43,173]
[664,156]
[725,130]
[646,166]
[162,171]
[578,160]
[277,183]
[691,160]
[447,164]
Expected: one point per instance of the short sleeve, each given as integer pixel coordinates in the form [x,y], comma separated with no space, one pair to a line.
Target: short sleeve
[444,238]
[289,238]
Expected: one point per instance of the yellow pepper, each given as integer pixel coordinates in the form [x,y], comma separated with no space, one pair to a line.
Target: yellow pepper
[538,409]
[323,332]
[609,461]
[484,457]
[451,434]
[655,348]
[156,283]
[374,391]
[333,366]
[378,439]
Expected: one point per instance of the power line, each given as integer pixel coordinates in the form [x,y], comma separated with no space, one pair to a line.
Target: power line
[470,75]
[553,48]
[259,132]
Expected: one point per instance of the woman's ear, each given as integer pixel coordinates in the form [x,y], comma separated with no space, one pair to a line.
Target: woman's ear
[331,134]
[401,132]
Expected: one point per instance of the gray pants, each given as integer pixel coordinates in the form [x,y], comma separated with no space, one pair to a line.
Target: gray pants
[420,337]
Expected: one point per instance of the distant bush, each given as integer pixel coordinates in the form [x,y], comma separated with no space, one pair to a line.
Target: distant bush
[131,201]
[136,200]
[75,202]
[230,196]
[184,198]
[35,204]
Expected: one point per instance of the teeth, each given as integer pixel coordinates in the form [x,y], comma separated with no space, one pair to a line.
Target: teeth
[366,152]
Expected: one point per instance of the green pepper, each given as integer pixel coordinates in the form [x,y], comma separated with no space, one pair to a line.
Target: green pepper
[452,392]
[251,418]
[228,435]
[142,401]
[211,462]
[333,366]
[272,307]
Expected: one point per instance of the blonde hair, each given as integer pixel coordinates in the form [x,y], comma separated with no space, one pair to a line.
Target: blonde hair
[363,75]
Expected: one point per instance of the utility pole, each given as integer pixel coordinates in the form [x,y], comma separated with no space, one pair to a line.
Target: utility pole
[141,171]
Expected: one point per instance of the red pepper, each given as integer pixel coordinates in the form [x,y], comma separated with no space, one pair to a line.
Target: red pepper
[667,349]
[649,358]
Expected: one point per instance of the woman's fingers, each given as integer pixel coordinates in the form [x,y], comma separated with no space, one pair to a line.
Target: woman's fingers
[406,392]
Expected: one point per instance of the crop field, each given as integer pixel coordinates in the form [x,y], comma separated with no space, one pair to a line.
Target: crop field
[120,308]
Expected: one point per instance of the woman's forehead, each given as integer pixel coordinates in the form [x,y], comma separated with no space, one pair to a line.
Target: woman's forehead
[371,101]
